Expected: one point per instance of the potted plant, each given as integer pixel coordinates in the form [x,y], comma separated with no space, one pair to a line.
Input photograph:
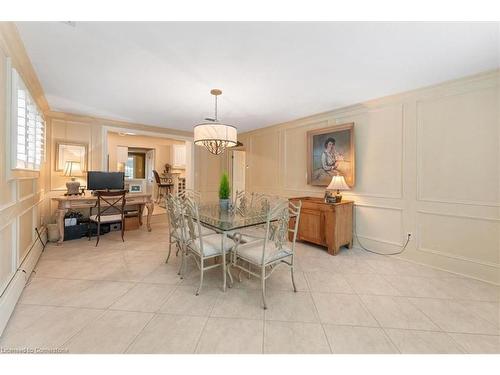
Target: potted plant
[224,192]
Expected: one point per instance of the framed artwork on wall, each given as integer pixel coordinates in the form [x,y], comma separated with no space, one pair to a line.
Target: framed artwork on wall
[70,151]
[330,152]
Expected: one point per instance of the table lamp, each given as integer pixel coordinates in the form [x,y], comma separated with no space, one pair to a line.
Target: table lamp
[338,183]
[73,169]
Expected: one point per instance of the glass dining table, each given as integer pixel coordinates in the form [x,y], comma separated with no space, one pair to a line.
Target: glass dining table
[229,221]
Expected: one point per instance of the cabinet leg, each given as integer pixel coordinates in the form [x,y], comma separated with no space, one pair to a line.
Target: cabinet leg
[349,245]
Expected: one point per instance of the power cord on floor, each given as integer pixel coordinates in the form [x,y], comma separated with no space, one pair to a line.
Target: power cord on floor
[375,252]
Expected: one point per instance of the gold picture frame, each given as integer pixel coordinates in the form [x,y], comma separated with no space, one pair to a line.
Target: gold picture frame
[330,151]
[70,151]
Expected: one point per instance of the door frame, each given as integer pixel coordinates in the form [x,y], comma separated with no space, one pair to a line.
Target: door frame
[190,175]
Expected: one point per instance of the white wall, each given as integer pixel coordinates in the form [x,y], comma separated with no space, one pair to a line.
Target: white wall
[427,162]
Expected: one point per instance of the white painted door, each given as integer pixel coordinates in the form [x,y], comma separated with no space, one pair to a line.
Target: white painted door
[150,165]
[238,172]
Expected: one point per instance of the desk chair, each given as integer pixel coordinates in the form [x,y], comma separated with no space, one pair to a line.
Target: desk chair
[110,199]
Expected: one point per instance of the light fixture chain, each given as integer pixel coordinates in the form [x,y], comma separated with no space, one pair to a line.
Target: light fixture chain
[216,108]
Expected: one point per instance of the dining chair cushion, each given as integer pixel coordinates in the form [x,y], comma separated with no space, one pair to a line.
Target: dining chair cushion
[106,218]
[252,252]
[252,234]
[212,245]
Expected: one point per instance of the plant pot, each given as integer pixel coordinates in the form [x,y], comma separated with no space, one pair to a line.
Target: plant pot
[224,204]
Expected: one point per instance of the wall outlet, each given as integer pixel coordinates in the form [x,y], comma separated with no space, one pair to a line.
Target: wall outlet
[409,234]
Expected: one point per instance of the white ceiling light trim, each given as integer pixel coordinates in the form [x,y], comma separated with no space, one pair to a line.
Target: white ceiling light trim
[213,134]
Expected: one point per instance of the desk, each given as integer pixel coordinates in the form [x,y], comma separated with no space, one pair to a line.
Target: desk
[65,203]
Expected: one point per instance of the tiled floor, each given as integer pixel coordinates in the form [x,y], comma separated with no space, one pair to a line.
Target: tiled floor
[123,298]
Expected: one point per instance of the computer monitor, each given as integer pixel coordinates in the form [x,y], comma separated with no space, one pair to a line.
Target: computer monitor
[105,180]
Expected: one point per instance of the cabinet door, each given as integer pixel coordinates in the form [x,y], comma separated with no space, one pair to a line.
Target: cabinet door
[311,226]
[179,156]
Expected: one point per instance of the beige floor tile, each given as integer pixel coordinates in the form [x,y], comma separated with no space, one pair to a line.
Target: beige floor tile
[395,267]
[371,284]
[290,306]
[423,342]
[351,265]
[239,303]
[140,256]
[25,315]
[124,271]
[478,344]
[99,295]
[342,309]
[489,311]
[168,333]
[309,264]
[452,316]
[358,340]
[164,274]
[43,291]
[111,333]
[294,338]
[144,297]
[411,286]
[397,312]
[468,289]
[183,301]
[327,282]
[225,335]
[50,330]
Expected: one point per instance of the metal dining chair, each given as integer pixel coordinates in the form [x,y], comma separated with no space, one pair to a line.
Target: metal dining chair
[108,201]
[175,213]
[202,247]
[273,249]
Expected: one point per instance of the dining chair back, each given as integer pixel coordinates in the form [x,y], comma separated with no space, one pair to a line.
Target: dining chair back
[273,248]
[176,217]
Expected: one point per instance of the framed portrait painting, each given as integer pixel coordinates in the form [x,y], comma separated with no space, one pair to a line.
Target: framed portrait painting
[330,152]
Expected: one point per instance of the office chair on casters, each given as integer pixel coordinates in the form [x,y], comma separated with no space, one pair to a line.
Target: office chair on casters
[108,199]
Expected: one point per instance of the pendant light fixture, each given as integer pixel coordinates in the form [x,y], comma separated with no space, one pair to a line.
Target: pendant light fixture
[213,134]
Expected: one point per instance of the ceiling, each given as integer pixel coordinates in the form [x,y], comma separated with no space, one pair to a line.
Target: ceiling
[161,73]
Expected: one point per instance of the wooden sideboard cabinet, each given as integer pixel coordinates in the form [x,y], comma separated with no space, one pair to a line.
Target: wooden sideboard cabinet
[325,224]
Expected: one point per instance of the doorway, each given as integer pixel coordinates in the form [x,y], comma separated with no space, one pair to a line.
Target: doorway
[238,170]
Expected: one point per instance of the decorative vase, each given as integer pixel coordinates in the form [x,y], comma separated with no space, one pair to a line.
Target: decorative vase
[224,204]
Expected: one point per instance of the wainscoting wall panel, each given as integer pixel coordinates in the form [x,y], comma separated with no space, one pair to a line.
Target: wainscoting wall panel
[457,148]
[22,193]
[427,163]
[379,151]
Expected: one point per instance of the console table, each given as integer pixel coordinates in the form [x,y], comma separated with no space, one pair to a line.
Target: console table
[65,203]
[325,224]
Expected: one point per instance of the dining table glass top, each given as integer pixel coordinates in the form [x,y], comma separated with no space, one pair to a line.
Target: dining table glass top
[212,215]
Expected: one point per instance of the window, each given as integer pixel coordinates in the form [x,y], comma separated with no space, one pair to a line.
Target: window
[28,128]
[135,165]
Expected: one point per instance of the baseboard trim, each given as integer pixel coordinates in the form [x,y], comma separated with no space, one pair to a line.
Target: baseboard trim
[11,295]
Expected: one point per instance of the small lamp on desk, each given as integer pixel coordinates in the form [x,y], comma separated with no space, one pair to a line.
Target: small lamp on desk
[338,183]
[73,169]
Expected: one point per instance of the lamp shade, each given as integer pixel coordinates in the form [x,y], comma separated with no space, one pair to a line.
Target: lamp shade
[73,169]
[338,183]
[215,136]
